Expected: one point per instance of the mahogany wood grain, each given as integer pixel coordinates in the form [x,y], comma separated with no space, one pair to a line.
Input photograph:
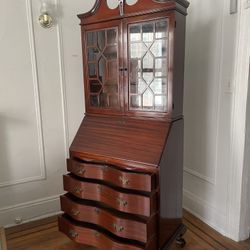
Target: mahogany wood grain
[130,180]
[93,237]
[121,226]
[125,202]
[125,142]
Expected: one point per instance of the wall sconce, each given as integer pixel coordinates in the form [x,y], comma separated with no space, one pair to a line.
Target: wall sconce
[45,19]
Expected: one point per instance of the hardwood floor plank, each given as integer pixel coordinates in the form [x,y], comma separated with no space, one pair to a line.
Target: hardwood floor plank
[44,235]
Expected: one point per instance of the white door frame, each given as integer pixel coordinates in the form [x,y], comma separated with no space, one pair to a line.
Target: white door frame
[236,178]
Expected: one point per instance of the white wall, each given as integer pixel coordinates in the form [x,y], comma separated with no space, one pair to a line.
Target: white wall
[210,46]
[41,105]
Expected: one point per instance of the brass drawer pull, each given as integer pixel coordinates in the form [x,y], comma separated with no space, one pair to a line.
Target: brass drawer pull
[75,212]
[122,202]
[99,188]
[81,171]
[73,234]
[97,210]
[118,228]
[124,180]
[78,190]
[105,168]
[96,234]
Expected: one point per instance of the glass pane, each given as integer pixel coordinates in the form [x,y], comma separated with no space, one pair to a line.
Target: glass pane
[112,36]
[110,52]
[135,101]
[137,50]
[95,86]
[159,48]
[102,69]
[112,70]
[111,88]
[92,70]
[159,86]
[91,38]
[135,33]
[160,67]
[138,88]
[148,33]
[92,54]
[101,39]
[161,102]
[148,99]
[148,65]
[94,101]
[104,100]
[161,29]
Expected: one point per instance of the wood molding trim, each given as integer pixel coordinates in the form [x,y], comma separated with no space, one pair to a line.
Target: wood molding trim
[236,195]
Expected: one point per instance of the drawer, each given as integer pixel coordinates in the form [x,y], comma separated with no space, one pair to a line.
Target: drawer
[130,180]
[122,226]
[92,236]
[126,202]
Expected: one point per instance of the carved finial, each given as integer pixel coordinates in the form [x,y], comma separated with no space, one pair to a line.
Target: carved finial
[121,7]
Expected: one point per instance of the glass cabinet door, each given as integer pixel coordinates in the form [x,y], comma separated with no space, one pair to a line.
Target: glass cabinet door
[102,68]
[148,65]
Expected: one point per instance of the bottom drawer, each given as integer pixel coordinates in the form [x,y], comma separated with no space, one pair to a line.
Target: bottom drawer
[94,237]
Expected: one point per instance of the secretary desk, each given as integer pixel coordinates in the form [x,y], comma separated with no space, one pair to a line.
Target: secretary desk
[124,187]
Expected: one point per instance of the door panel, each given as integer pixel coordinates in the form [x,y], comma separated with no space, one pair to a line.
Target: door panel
[102,75]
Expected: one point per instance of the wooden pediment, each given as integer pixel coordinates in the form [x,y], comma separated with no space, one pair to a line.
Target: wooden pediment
[102,12]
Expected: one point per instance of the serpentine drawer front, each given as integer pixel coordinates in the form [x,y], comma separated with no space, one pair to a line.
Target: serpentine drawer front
[118,224]
[130,180]
[94,237]
[125,202]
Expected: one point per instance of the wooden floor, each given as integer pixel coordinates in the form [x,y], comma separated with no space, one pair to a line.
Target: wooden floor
[44,235]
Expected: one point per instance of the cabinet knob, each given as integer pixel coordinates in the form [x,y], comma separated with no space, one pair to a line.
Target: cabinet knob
[96,234]
[73,234]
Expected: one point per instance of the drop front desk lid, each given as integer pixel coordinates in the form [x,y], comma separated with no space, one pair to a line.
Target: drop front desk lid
[125,142]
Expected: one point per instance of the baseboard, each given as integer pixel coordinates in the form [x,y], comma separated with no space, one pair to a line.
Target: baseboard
[30,211]
[204,211]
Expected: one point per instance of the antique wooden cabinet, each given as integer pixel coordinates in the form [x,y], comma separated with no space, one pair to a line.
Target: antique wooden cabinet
[126,161]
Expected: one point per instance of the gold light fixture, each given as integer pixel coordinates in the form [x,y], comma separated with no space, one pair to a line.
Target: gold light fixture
[45,19]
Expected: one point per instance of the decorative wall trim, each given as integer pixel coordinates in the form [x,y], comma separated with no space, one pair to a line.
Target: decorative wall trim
[62,82]
[32,45]
[204,211]
[236,197]
[30,211]
[199,175]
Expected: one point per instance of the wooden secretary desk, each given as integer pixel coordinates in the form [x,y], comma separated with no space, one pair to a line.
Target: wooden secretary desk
[126,161]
